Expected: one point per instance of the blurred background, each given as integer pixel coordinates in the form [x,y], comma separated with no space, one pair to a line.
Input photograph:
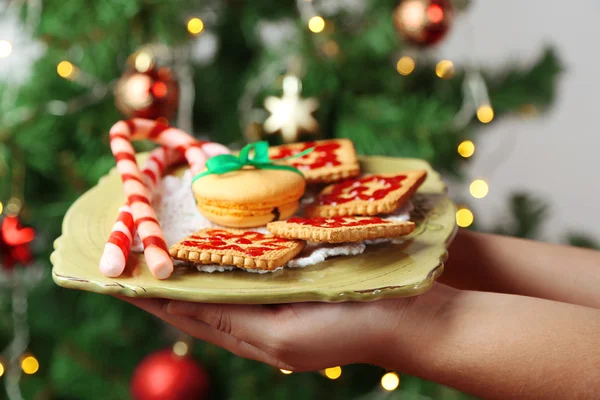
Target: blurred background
[498,96]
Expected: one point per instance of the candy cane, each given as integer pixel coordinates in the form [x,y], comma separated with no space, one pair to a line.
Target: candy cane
[116,251]
[138,196]
[192,148]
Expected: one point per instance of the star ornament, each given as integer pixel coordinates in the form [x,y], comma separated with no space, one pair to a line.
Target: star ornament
[14,243]
[291,114]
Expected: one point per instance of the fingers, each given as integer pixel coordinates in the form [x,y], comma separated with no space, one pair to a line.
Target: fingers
[250,323]
[204,331]
[249,351]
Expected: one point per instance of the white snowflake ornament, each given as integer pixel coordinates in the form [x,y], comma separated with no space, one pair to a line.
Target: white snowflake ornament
[291,114]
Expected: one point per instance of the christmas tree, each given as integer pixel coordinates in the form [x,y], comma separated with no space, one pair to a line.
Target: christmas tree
[219,69]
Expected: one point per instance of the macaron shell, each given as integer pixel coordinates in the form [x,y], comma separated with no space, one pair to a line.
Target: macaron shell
[238,218]
[250,187]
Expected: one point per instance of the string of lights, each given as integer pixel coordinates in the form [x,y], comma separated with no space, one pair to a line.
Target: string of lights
[316,24]
[389,381]
[476,104]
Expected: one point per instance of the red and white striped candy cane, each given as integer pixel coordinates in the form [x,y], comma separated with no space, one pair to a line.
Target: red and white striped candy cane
[192,148]
[116,251]
[138,197]
[115,254]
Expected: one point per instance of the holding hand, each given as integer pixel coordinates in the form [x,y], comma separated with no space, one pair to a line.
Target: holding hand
[308,336]
[494,345]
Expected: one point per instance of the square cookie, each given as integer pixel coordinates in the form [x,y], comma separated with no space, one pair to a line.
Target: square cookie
[340,229]
[250,250]
[330,161]
[368,195]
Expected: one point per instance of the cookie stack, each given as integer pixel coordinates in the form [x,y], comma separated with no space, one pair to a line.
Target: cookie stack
[348,207]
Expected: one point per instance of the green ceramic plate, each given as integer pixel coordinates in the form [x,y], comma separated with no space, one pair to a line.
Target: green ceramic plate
[382,271]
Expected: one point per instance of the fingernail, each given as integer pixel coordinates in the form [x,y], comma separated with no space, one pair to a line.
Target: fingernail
[181,308]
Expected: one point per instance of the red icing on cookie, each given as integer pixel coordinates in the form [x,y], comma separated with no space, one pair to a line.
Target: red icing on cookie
[355,189]
[324,155]
[337,222]
[257,243]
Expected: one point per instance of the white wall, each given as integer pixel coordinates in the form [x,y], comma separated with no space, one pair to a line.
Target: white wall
[554,156]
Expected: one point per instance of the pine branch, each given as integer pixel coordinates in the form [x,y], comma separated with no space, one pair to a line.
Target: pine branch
[527,216]
[582,240]
[517,87]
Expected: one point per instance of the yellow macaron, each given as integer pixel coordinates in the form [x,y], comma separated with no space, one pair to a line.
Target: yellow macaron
[249,197]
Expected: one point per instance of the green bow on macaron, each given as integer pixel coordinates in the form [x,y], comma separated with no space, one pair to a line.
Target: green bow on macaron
[225,163]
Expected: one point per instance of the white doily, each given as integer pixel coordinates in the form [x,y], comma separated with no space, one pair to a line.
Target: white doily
[176,211]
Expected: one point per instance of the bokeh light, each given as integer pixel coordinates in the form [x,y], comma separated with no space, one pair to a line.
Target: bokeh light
[413,13]
[333,373]
[65,69]
[485,114]
[479,188]
[435,13]
[390,381]
[444,69]
[405,65]
[285,371]
[464,217]
[143,62]
[466,148]
[1,369]
[316,24]
[5,48]
[195,26]
[180,348]
[30,365]
[159,89]
[330,48]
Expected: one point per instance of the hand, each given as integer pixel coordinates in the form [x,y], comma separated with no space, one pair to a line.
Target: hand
[309,336]
[477,342]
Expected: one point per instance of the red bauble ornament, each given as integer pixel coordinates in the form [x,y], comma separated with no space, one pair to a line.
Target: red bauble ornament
[147,89]
[423,22]
[166,376]
[14,243]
